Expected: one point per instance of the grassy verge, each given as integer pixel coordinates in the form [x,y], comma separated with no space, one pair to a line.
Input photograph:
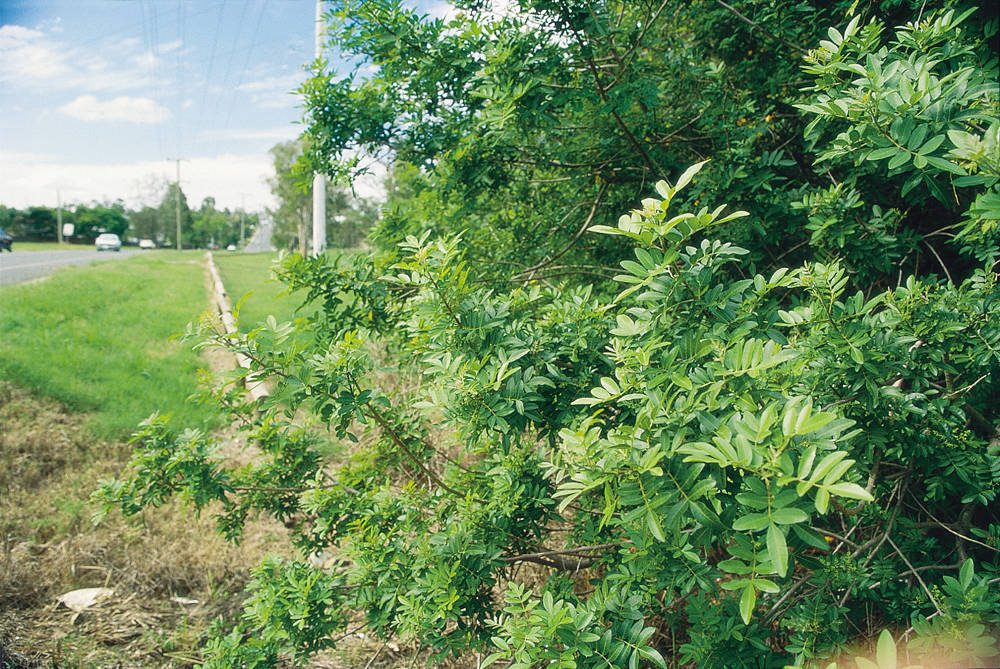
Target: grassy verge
[84,357]
[97,339]
[247,277]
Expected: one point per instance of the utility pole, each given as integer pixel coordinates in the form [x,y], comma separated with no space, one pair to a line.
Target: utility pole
[59,235]
[177,200]
[319,179]
[243,209]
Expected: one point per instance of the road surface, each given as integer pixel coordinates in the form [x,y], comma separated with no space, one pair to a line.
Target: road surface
[261,241]
[22,266]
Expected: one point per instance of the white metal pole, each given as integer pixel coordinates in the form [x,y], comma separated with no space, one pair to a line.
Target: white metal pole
[177,201]
[319,180]
[59,235]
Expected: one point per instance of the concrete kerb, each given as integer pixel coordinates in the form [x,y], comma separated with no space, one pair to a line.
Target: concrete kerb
[256,386]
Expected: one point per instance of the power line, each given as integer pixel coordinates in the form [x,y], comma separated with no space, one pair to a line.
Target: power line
[211,62]
[152,72]
[180,79]
[246,61]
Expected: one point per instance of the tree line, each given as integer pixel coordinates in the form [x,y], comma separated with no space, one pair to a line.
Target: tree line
[200,228]
[349,217]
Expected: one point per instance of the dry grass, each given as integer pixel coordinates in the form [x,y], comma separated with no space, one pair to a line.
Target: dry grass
[48,546]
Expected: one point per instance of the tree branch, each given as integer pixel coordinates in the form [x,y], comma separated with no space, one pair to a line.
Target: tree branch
[574,240]
[763,30]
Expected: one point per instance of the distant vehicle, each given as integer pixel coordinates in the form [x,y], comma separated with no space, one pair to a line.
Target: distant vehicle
[231,247]
[5,241]
[147,244]
[108,242]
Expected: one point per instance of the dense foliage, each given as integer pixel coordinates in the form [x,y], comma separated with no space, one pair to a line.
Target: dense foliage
[597,421]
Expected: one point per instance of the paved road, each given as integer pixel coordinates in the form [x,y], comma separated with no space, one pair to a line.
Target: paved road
[261,241]
[26,265]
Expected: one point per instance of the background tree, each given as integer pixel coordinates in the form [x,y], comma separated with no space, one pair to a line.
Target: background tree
[211,226]
[149,223]
[90,221]
[168,215]
[348,217]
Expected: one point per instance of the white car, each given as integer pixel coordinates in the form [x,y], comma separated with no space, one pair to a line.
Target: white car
[147,244]
[108,241]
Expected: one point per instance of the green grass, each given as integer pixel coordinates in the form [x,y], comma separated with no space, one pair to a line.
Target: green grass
[98,339]
[247,277]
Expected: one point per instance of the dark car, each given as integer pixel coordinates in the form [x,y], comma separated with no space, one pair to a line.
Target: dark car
[5,241]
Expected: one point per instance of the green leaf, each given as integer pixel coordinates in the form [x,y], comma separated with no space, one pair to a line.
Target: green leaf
[885,653]
[653,525]
[966,573]
[789,516]
[747,601]
[777,550]
[931,144]
[822,500]
[685,178]
[490,659]
[826,464]
[856,355]
[850,490]
[653,656]
[814,422]
[753,521]
[734,567]
[765,585]
[900,159]
[881,154]
[806,462]
[945,165]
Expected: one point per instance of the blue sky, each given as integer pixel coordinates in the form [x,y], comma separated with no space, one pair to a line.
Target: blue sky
[98,95]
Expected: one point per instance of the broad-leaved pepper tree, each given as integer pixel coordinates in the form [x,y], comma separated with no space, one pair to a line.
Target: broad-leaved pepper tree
[592,419]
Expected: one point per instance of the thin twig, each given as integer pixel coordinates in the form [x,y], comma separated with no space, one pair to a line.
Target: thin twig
[377,653]
[576,237]
[566,551]
[763,30]
[944,526]
[915,573]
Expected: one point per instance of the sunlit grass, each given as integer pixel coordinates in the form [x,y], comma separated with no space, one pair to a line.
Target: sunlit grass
[247,277]
[98,339]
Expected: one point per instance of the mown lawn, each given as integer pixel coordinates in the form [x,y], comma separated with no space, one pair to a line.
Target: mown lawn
[247,277]
[99,339]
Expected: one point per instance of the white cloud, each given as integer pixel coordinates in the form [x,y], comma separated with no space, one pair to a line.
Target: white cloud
[122,108]
[274,92]
[167,47]
[282,82]
[26,55]
[33,179]
[28,179]
[31,59]
[279,134]
[442,10]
